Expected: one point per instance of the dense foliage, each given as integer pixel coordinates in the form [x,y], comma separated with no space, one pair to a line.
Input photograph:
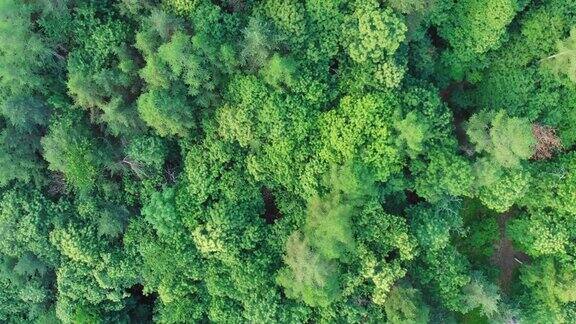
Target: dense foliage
[287,161]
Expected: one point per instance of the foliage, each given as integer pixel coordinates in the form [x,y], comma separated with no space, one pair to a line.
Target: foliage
[28,260]
[470,33]
[308,274]
[507,140]
[564,60]
[283,161]
[404,305]
[71,148]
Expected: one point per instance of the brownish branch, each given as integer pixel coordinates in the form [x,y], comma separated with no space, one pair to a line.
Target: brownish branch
[547,142]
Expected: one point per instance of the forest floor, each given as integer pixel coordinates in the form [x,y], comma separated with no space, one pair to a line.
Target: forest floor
[271,211]
[506,258]
[459,117]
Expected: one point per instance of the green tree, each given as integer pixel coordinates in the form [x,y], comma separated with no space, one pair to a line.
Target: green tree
[405,305]
[70,148]
[508,140]
[441,267]
[373,32]
[27,66]
[483,295]
[444,173]
[167,112]
[549,291]
[506,191]
[101,70]
[470,33]
[412,133]
[145,156]
[308,275]
[28,258]
[564,60]
[360,124]
[328,227]
[19,157]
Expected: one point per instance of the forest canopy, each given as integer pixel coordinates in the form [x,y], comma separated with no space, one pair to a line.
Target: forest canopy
[287,161]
